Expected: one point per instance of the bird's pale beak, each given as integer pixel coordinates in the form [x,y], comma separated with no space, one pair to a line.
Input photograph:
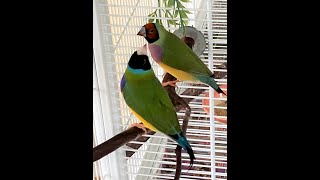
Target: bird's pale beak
[142,32]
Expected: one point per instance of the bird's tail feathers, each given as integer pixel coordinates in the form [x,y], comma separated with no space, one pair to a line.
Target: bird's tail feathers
[211,82]
[183,142]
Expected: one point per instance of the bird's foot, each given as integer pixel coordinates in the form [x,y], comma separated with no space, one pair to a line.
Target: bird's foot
[141,126]
[171,83]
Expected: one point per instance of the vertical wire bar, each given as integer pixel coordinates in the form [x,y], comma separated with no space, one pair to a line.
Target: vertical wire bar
[211,91]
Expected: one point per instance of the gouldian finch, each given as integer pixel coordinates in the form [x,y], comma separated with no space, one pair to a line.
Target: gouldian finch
[149,102]
[175,57]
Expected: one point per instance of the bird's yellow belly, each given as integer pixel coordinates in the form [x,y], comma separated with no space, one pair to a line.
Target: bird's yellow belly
[145,123]
[180,75]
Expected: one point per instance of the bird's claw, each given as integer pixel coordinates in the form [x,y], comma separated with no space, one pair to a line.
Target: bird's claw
[141,126]
[171,83]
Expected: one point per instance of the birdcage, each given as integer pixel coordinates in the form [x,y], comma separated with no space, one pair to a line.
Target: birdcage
[115,27]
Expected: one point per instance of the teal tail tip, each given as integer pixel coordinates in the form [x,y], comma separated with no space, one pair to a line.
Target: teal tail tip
[212,83]
[182,141]
[219,90]
[192,158]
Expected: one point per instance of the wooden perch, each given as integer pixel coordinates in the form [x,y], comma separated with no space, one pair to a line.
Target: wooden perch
[116,142]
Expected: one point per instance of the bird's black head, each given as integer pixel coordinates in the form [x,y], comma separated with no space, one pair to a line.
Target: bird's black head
[139,61]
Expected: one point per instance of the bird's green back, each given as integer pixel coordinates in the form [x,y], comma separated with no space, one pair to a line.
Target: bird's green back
[145,95]
[178,55]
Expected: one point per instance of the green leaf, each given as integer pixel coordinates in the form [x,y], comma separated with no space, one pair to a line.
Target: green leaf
[185,1]
[173,22]
[176,13]
[179,5]
[151,20]
[185,22]
[157,21]
[183,29]
[169,13]
[171,3]
[183,14]
[186,11]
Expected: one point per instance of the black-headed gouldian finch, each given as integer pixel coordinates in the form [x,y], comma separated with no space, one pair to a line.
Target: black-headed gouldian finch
[149,101]
[175,57]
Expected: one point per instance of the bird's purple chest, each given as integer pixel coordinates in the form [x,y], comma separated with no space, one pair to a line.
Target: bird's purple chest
[123,82]
[156,52]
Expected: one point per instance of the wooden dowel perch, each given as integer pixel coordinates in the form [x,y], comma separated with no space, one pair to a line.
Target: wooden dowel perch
[116,142]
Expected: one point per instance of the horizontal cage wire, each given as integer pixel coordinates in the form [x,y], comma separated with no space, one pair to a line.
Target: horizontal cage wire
[118,22]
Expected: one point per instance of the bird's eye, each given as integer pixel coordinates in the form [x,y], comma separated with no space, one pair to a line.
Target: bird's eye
[151,30]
